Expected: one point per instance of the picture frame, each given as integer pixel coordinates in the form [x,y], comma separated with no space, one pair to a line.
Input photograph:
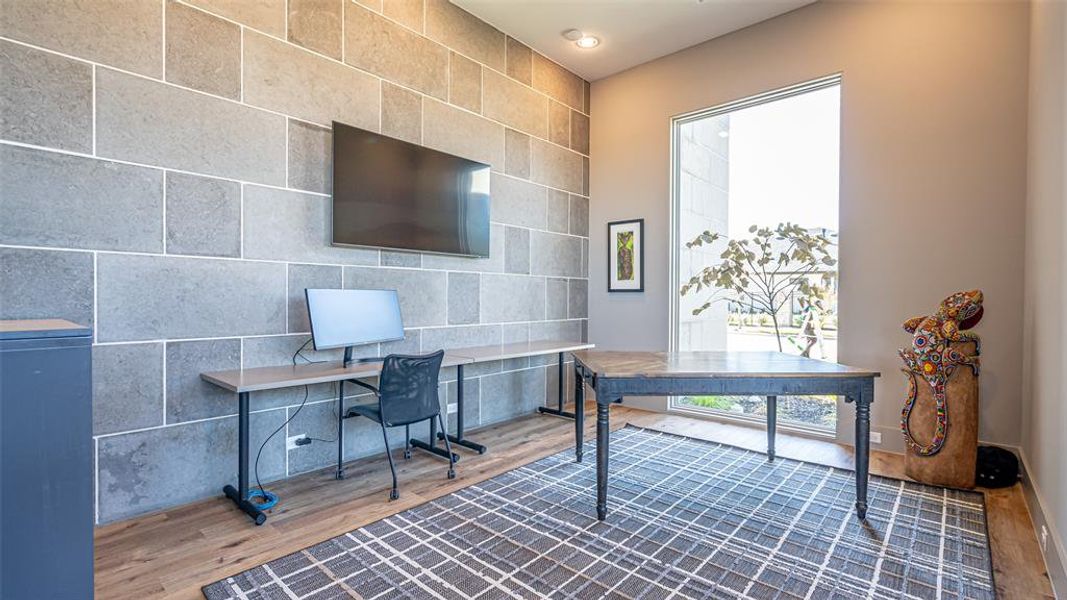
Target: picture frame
[626,256]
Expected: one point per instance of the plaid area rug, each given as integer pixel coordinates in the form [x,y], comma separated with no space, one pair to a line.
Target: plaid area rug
[687,519]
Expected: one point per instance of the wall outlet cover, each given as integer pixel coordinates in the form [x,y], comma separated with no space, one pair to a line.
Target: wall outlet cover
[876,437]
[290,442]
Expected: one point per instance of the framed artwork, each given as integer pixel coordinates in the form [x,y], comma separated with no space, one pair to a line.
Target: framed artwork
[626,256]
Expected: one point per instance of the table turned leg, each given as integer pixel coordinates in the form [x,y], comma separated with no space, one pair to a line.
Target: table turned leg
[602,434]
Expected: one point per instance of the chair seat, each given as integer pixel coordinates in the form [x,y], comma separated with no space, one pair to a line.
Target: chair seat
[371,411]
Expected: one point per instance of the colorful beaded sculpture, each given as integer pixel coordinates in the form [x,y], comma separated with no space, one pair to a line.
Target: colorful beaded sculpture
[933,358]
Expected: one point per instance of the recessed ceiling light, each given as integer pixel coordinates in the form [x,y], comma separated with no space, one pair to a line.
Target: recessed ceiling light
[587,41]
[573,35]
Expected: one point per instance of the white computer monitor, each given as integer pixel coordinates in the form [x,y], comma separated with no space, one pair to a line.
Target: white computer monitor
[347,318]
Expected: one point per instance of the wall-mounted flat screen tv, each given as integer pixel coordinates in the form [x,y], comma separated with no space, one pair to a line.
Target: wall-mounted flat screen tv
[388,193]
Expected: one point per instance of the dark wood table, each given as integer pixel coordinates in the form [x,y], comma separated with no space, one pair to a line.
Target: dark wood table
[613,375]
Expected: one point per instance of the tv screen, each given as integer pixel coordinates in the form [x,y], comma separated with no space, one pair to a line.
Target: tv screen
[389,193]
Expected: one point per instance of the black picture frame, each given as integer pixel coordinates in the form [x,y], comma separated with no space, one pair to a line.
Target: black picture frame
[638,258]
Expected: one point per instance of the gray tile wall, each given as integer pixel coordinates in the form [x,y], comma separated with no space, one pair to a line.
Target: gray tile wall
[164,178]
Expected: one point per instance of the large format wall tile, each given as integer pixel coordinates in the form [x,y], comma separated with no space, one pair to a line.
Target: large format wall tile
[515,105]
[559,124]
[147,470]
[380,46]
[517,202]
[293,226]
[287,79]
[511,394]
[557,82]
[157,297]
[459,337]
[516,154]
[557,330]
[316,25]
[128,35]
[579,215]
[45,99]
[189,397]
[66,201]
[422,293]
[151,122]
[46,284]
[203,51]
[558,211]
[267,16]
[578,299]
[203,216]
[458,29]
[525,298]
[557,167]
[401,113]
[302,277]
[558,255]
[406,12]
[127,387]
[520,61]
[463,298]
[464,82]
[458,132]
[556,299]
[310,157]
[516,250]
[579,132]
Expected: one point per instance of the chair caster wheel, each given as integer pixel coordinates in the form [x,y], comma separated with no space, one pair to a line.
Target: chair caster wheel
[451,473]
[394,494]
[407,454]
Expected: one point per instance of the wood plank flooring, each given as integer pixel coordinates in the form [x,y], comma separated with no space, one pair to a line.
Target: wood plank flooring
[173,553]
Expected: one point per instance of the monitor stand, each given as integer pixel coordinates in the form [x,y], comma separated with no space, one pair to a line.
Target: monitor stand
[348,360]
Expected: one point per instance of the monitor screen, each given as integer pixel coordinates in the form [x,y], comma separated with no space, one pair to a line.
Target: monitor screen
[389,193]
[342,318]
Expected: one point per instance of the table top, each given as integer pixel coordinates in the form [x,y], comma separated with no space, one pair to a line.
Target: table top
[41,328]
[607,363]
[519,350]
[269,378]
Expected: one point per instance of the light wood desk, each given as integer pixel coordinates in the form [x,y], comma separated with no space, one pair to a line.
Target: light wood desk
[614,375]
[244,381]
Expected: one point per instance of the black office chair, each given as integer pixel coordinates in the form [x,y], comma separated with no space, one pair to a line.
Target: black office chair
[407,394]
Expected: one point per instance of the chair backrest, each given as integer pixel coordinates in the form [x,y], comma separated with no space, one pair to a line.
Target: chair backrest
[408,388]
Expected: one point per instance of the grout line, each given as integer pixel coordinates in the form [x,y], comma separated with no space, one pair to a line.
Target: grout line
[241,222]
[92,101]
[164,383]
[96,303]
[164,212]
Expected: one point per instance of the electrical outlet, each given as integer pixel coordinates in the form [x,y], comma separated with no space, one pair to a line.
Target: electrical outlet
[1044,539]
[453,409]
[290,442]
[876,437]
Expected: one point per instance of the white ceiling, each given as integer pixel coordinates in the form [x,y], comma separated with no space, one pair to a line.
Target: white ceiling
[631,32]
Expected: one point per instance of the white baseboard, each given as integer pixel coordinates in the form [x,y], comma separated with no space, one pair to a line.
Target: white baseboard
[1055,555]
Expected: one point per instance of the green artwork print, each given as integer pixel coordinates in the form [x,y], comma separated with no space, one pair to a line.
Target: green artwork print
[624,255]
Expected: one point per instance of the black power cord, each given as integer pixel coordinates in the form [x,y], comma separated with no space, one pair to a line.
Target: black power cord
[270,499]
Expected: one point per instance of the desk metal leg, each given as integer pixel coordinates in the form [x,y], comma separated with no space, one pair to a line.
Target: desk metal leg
[558,411]
[239,496]
[863,445]
[602,433]
[772,424]
[579,413]
[458,438]
[340,430]
[431,445]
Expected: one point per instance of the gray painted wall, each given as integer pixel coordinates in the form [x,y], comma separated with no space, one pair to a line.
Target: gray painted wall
[165,171]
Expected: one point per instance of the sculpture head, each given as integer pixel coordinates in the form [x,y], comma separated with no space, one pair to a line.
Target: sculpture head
[965,308]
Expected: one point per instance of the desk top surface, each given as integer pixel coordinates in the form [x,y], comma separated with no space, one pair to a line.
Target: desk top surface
[606,363]
[41,328]
[269,378]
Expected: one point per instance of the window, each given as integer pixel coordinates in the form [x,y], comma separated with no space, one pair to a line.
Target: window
[754,250]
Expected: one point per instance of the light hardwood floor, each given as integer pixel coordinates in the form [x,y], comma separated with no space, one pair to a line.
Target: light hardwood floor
[175,552]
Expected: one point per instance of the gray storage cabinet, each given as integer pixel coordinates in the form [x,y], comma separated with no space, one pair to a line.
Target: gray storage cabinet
[46,454]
